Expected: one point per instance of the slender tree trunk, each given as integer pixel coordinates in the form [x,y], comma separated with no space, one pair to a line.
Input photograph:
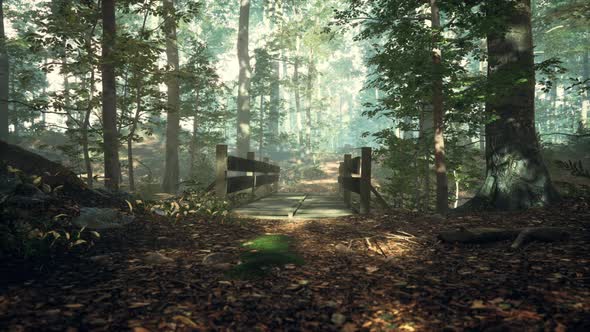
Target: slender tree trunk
[517,177]
[172,168]
[85,140]
[244,132]
[275,97]
[134,124]
[86,120]
[4,78]
[308,122]
[586,76]
[442,185]
[297,97]
[66,85]
[194,142]
[261,124]
[109,95]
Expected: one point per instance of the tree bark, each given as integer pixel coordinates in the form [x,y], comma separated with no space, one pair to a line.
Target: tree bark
[244,132]
[275,97]
[85,140]
[297,97]
[171,169]
[138,110]
[4,78]
[520,236]
[261,124]
[86,121]
[308,123]
[516,175]
[109,95]
[194,142]
[442,184]
[586,76]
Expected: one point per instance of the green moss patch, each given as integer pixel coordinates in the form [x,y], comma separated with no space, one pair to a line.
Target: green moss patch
[264,253]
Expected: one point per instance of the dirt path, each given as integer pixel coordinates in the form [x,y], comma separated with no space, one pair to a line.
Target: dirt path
[323,181]
[380,273]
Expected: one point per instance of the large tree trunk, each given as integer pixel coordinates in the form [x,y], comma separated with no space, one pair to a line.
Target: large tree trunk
[244,132]
[516,176]
[171,169]
[4,78]
[109,95]
[442,185]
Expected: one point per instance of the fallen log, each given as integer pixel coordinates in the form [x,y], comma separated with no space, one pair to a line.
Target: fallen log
[30,163]
[520,236]
[54,175]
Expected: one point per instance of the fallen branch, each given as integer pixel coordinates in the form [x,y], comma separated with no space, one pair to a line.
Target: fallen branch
[521,236]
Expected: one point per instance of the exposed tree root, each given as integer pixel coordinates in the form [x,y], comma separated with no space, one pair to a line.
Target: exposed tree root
[521,236]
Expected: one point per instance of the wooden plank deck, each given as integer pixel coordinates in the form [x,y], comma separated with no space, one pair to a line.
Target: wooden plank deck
[295,206]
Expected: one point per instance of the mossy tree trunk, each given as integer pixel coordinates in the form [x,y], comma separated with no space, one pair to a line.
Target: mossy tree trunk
[516,175]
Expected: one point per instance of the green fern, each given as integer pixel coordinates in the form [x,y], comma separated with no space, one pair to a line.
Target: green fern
[576,168]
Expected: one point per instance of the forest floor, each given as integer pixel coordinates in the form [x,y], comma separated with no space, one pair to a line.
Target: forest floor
[377,273]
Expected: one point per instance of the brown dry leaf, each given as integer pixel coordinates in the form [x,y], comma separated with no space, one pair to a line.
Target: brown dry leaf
[524,315]
[560,328]
[186,321]
[349,327]
[140,329]
[478,304]
[136,305]
[371,269]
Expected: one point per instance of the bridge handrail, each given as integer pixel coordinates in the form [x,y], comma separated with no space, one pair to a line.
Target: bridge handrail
[361,182]
[225,184]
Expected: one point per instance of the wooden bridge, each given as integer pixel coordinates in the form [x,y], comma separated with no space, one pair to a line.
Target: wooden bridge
[260,179]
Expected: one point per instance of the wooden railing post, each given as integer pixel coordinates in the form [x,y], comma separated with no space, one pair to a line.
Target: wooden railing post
[346,173]
[221,171]
[340,175]
[252,156]
[268,187]
[365,191]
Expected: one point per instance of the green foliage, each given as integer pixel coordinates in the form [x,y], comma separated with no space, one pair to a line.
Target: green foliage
[42,238]
[191,204]
[265,253]
[576,168]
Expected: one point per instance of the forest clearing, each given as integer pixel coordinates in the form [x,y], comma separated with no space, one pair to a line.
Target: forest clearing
[294,165]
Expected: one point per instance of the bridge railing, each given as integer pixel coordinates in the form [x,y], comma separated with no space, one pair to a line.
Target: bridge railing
[259,173]
[355,177]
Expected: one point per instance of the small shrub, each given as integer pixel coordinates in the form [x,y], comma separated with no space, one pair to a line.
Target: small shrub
[192,204]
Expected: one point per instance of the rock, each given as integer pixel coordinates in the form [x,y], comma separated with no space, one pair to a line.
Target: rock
[338,319]
[27,189]
[29,202]
[101,259]
[218,258]
[8,185]
[99,218]
[157,258]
